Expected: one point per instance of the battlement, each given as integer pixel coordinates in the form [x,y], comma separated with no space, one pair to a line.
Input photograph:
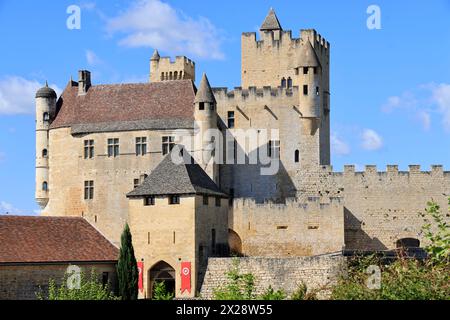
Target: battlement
[436,170]
[254,93]
[311,204]
[164,69]
[286,39]
[177,62]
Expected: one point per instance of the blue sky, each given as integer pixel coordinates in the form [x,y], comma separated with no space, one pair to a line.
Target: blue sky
[390,87]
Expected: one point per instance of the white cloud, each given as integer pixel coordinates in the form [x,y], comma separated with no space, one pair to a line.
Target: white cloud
[338,146]
[371,140]
[155,24]
[422,103]
[441,96]
[92,59]
[8,208]
[17,95]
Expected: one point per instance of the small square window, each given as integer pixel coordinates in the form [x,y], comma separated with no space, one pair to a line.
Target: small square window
[174,199]
[149,201]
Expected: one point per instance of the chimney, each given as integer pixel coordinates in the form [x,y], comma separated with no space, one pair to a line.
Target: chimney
[84,82]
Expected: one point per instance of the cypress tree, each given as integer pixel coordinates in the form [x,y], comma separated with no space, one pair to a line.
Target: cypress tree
[127,271]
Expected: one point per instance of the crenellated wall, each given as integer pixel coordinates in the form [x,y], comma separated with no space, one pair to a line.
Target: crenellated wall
[291,229]
[380,207]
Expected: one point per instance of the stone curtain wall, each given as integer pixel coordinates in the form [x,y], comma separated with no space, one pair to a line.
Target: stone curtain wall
[280,273]
[380,207]
[22,282]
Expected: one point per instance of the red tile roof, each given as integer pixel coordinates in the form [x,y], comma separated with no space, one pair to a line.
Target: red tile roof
[28,239]
[126,102]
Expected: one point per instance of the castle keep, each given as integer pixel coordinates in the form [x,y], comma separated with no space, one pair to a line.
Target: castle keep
[104,153]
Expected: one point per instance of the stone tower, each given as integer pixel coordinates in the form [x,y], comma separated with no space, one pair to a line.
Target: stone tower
[163,69]
[206,134]
[278,60]
[45,112]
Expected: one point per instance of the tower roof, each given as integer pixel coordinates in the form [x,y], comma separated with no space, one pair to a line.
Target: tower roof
[169,178]
[155,55]
[204,93]
[271,22]
[46,92]
[308,56]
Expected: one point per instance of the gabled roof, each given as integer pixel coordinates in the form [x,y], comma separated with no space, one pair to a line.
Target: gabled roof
[169,178]
[271,22]
[308,56]
[204,93]
[126,102]
[32,239]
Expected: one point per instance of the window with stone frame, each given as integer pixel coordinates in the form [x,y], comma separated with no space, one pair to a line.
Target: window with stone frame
[113,147]
[168,142]
[141,146]
[273,149]
[89,190]
[88,149]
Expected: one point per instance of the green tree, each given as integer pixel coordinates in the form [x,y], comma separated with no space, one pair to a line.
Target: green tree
[127,271]
[90,288]
[438,234]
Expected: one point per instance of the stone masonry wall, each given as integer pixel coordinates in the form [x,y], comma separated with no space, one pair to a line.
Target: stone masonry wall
[280,273]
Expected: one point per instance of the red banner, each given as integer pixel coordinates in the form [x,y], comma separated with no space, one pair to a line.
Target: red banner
[185,277]
[140,266]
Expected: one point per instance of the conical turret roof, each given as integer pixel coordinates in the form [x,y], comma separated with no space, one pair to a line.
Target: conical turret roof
[155,55]
[308,56]
[204,93]
[271,22]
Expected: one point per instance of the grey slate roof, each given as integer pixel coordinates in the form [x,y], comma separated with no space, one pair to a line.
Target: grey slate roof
[145,124]
[169,178]
[155,55]
[204,92]
[271,22]
[308,56]
[46,92]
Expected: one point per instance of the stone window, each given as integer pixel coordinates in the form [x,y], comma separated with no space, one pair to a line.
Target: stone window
[305,70]
[218,199]
[45,186]
[174,199]
[149,201]
[44,153]
[230,120]
[289,83]
[213,240]
[273,149]
[89,190]
[315,70]
[88,149]
[162,76]
[136,183]
[205,200]
[201,106]
[46,117]
[317,91]
[305,90]
[168,142]
[283,83]
[113,147]
[297,156]
[141,146]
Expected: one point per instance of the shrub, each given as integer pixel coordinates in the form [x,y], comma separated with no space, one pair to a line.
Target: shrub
[271,294]
[160,292]
[90,289]
[239,286]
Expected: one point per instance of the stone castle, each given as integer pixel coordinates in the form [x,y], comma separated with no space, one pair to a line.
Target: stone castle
[103,152]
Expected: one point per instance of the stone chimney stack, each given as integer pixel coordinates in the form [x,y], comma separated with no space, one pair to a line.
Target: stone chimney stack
[84,82]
